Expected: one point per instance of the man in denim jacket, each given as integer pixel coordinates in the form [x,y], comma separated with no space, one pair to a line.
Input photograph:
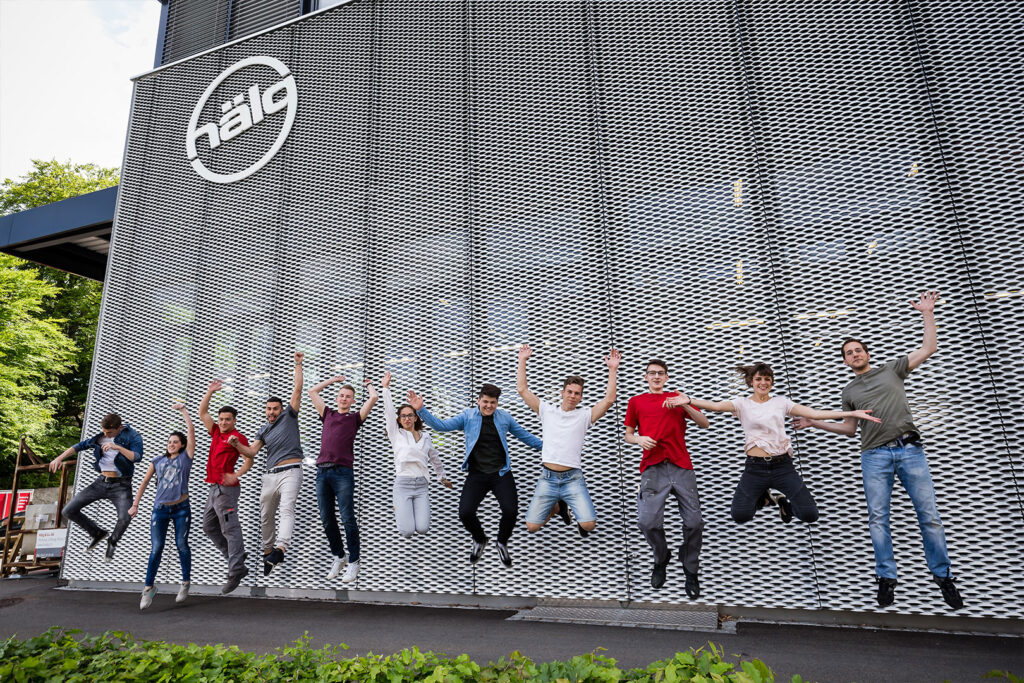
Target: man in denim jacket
[487,463]
[115,450]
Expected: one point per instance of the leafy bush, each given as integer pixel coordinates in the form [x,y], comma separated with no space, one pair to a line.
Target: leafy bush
[58,655]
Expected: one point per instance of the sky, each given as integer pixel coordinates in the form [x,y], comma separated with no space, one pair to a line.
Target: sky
[65,70]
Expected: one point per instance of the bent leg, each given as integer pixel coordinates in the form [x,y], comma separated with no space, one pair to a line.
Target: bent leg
[73,510]
[574,492]
[211,523]
[421,506]
[545,496]
[785,478]
[749,492]
[405,516]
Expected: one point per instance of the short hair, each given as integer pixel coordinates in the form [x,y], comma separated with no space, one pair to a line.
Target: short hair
[851,340]
[227,409]
[490,391]
[182,438]
[350,388]
[749,371]
[275,399]
[418,425]
[573,379]
[658,362]
[111,421]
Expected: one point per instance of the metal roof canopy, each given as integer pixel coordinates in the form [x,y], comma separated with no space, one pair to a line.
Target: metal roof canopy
[71,235]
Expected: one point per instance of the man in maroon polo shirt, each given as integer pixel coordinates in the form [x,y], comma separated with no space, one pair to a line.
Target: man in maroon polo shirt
[666,469]
[220,518]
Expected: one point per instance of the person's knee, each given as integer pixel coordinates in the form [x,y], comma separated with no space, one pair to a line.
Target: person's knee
[807,516]
[405,533]
[694,523]
[531,527]
[588,526]
[742,514]
[422,528]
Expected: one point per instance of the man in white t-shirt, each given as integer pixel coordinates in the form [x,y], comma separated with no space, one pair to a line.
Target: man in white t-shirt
[565,428]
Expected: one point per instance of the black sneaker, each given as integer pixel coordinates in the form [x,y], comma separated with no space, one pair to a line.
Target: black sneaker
[96,540]
[949,591]
[785,508]
[887,591]
[233,581]
[503,555]
[764,500]
[658,574]
[109,556]
[563,512]
[477,551]
[271,560]
[583,532]
[692,585]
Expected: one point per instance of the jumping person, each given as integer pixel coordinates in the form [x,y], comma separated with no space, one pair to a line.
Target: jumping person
[335,483]
[564,429]
[894,449]
[170,503]
[413,450]
[769,463]
[665,469]
[283,478]
[115,450]
[220,515]
[487,462]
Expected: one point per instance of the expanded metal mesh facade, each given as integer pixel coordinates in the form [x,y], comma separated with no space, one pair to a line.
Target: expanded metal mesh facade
[706,181]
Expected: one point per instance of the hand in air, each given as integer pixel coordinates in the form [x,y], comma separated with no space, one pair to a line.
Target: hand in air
[55,464]
[215,385]
[613,359]
[299,355]
[927,302]
[415,400]
[676,401]
[178,406]
[385,381]
[525,351]
[865,415]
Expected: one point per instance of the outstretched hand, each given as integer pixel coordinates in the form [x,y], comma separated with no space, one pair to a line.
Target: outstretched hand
[385,381]
[927,302]
[676,401]
[802,423]
[525,351]
[178,406]
[865,415]
[613,359]
[215,385]
[299,355]
[55,464]
[415,400]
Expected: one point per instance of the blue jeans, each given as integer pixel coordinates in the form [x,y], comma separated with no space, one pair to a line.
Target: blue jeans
[334,489]
[879,467]
[555,486]
[181,513]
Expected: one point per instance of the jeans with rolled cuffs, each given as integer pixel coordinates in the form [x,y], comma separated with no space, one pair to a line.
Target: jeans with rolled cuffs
[335,489]
[163,515]
[778,472]
[879,468]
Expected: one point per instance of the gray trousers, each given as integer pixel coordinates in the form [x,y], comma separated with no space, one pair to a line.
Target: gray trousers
[656,483]
[412,505]
[221,525]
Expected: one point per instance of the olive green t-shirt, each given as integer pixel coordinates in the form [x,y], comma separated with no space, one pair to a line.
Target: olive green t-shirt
[881,391]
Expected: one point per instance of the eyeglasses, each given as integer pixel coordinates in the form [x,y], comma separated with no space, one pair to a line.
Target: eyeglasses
[657,373]
[407,416]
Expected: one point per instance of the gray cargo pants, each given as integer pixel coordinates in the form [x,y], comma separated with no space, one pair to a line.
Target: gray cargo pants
[221,525]
[656,483]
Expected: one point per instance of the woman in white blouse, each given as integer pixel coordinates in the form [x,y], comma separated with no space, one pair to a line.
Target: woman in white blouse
[769,463]
[413,450]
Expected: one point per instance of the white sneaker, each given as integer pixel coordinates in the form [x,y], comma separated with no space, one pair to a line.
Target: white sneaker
[351,572]
[182,592]
[336,567]
[147,597]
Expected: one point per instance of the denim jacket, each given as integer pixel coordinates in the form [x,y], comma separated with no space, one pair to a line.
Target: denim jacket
[127,438]
[470,421]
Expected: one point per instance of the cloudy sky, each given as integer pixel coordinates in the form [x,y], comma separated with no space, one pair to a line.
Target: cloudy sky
[65,67]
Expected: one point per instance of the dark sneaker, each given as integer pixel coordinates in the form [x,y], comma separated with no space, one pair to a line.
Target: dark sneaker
[658,574]
[887,591]
[96,540]
[583,532]
[764,500]
[233,581]
[563,512]
[692,585]
[111,549]
[271,560]
[503,555]
[477,551]
[949,591]
[785,507]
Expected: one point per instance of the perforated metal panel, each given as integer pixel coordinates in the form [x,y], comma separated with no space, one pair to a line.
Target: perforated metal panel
[708,182]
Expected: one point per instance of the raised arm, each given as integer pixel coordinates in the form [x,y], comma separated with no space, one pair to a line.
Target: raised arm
[931,339]
[204,405]
[190,430]
[314,393]
[296,399]
[249,452]
[530,398]
[526,437]
[390,417]
[452,424]
[134,509]
[848,427]
[612,360]
[812,414]
[367,406]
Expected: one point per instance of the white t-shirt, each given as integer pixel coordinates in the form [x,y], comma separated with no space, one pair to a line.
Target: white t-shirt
[107,459]
[563,434]
[764,424]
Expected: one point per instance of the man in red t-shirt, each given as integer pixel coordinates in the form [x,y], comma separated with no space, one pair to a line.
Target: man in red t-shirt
[220,517]
[666,469]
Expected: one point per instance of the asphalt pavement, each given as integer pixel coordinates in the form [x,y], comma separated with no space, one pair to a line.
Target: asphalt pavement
[29,606]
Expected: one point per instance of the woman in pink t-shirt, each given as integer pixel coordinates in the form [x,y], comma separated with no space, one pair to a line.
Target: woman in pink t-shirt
[769,462]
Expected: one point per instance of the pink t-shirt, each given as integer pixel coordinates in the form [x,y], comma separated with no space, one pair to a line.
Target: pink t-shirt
[764,424]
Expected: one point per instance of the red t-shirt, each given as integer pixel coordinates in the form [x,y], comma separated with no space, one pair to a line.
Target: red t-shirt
[223,455]
[667,426]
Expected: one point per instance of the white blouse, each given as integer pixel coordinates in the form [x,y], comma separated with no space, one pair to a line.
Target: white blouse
[411,456]
[764,424]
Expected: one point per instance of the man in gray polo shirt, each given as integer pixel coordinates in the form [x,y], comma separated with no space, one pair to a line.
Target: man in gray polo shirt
[893,448]
[283,477]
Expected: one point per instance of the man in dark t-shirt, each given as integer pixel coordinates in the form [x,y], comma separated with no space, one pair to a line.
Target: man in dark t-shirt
[335,481]
[893,448]
[487,462]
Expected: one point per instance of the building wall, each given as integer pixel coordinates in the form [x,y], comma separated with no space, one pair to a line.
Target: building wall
[708,182]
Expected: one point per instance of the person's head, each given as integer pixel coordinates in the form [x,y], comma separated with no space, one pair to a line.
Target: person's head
[273,408]
[760,377]
[487,400]
[111,425]
[855,355]
[346,397]
[656,374]
[176,443]
[226,419]
[572,392]
[408,419]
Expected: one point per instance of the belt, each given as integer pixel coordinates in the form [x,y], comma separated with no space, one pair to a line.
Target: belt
[903,440]
[105,477]
[283,468]
[769,460]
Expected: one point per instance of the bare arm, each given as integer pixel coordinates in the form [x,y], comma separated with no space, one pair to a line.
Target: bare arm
[390,418]
[931,338]
[314,393]
[364,411]
[190,445]
[644,442]
[688,404]
[296,399]
[134,509]
[812,414]
[604,405]
[848,427]
[57,462]
[249,451]
[529,398]
[204,405]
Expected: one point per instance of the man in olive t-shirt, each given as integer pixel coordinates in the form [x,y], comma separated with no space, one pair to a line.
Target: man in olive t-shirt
[893,448]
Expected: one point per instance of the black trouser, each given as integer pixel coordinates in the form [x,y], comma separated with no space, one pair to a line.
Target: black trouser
[761,474]
[477,486]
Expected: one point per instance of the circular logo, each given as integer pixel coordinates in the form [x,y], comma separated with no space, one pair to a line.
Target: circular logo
[243,112]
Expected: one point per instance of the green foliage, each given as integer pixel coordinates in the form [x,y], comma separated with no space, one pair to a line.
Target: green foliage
[115,656]
[52,181]
[995,673]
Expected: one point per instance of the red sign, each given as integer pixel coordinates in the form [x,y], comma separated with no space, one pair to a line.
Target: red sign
[24,498]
